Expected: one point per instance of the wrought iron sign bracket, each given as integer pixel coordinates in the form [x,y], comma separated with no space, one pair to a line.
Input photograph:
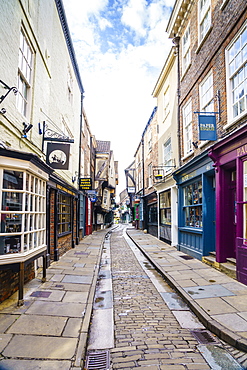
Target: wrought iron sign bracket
[13,88]
[51,135]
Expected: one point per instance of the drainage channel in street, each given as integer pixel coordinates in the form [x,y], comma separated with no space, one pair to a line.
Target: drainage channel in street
[209,345]
[101,334]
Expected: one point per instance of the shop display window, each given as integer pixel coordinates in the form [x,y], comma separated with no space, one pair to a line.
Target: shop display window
[22,211]
[165,208]
[64,213]
[193,204]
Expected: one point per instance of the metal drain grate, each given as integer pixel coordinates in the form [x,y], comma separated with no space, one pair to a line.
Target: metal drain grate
[187,257]
[97,361]
[203,336]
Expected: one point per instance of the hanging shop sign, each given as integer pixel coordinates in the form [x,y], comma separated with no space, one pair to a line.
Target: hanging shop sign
[207,127]
[85,183]
[57,156]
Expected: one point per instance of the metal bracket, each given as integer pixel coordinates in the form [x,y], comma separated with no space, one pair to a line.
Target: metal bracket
[13,88]
[51,135]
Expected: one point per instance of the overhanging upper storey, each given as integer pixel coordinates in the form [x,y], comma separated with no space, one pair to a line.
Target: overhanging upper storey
[179,14]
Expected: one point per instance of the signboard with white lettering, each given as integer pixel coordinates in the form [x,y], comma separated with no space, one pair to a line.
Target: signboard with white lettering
[207,127]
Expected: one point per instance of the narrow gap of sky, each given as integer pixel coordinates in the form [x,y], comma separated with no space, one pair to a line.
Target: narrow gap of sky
[121,47]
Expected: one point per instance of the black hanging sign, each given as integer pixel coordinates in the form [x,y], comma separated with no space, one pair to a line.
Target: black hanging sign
[57,156]
[85,183]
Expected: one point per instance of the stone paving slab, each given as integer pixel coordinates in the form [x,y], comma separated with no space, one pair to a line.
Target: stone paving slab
[76,279]
[31,346]
[208,291]
[38,325]
[6,321]
[33,365]
[67,309]
[4,340]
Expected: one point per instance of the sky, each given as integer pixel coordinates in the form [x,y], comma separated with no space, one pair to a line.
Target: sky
[121,47]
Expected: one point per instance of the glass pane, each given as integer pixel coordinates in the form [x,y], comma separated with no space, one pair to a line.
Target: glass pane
[27,182]
[10,244]
[11,201]
[11,223]
[12,180]
[188,195]
[26,241]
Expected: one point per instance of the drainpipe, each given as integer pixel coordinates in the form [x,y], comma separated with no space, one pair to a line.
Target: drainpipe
[176,41]
[79,175]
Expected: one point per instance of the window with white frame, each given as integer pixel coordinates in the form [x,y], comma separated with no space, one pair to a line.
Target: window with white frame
[206,93]
[70,86]
[187,126]
[150,139]
[204,13]
[24,75]
[186,49]
[168,156]
[166,103]
[150,175]
[23,212]
[237,74]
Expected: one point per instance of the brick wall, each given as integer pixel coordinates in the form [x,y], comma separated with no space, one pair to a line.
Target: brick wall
[210,55]
[9,281]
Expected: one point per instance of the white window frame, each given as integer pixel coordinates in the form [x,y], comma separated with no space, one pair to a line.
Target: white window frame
[186,55]
[204,18]
[167,152]
[150,175]
[29,216]
[206,93]
[166,103]
[24,81]
[187,127]
[236,76]
[149,139]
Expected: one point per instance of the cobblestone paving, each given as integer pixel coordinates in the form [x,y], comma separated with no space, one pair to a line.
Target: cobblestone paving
[147,335]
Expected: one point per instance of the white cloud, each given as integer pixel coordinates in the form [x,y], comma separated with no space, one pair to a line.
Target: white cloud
[118,85]
[134,16]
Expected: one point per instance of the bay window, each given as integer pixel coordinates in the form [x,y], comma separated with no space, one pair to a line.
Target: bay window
[23,210]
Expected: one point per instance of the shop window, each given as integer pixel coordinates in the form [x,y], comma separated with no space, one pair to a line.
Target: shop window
[64,213]
[81,211]
[193,204]
[22,212]
[237,72]
[152,214]
[165,208]
[24,74]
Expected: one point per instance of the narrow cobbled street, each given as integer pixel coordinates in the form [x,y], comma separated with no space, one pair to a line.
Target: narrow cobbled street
[146,331]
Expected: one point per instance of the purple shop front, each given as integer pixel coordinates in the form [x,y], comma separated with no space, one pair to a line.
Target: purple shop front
[230,161]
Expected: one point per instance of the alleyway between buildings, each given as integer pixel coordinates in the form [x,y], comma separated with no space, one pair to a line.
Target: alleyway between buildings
[105,298]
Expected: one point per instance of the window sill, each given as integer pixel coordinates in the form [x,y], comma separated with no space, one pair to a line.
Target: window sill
[185,71]
[6,259]
[191,229]
[203,40]
[233,121]
[188,155]
[63,234]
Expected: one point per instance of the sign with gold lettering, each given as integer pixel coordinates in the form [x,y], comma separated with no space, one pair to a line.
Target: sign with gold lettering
[207,127]
[85,184]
